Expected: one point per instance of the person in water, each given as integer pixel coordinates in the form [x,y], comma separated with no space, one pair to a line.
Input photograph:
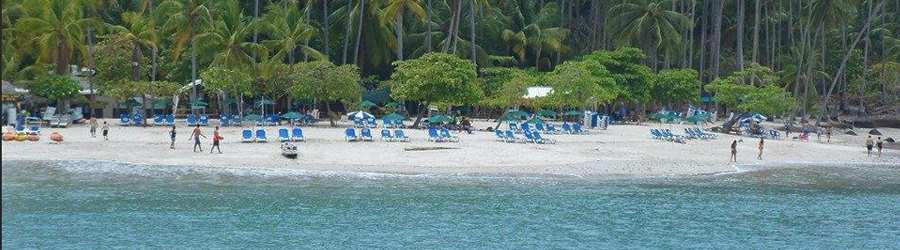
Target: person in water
[734,151]
[869,144]
[94,126]
[105,129]
[196,134]
[215,141]
[172,134]
[879,144]
[761,143]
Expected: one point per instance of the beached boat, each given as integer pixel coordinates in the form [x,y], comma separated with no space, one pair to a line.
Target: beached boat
[56,137]
[289,150]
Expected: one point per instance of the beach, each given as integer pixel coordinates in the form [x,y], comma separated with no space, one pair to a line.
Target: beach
[621,150]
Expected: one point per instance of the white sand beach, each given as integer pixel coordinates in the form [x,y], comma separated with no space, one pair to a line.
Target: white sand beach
[622,150]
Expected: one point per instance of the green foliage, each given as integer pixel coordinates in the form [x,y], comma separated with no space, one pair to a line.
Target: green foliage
[113,61]
[324,81]
[625,66]
[766,97]
[435,78]
[504,87]
[55,87]
[767,100]
[227,80]
[579,83]
[273,79]
[676,85]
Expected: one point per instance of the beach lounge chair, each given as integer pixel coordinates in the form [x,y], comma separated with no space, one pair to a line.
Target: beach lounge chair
[158,120]
[297,134]
[366,134]
[170,120]
[261,135]
[551,129]
[34,130]
[513,127]
[774,134]
[350,135]
[529,137]
[399,135]
[204,120]
[433,135]
[500,135]
[526,127]
[246,135]
[445,133]
[566,128]
[512,137]
[576,128]
[539,126]
[386,135]
[541,139]
[704,133]
[124,119]
[283,135]
[191,120]
[675,138]
[62,121]
[138,120]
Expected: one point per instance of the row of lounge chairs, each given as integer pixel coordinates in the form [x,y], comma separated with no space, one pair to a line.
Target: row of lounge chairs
[296,134]
[441,135]
[689,133]
[365,134]
[533,136]
[548,128]
[697,133]
[397,136]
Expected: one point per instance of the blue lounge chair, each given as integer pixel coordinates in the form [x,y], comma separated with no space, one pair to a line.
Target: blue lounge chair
[552,129]
[433,135]
[540,139]
[566,128]
[387,123]
[529,137]
[675,138]
[261,135]
[577,129]
[500,135]
[204,120]
[283,135]
[246,135]
[124,119]
[297,134]
[170,120]
[655,134]
[366,134]
[158,120]
[350,135]
[445,133]
[513,127]
[386,135]
[512,137]
[138,120]
[400,136]
[526,127]
[191,120]
[539,126]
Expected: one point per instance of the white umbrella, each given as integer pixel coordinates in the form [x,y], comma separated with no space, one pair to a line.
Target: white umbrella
[359,115]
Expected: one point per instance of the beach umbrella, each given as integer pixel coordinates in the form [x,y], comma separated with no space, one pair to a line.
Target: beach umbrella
[252,118]
[511,115]
[359,115]
[292,116]
[547,113]
[393,117]
[439,119]
[199,103]
[367,104]
[161,103]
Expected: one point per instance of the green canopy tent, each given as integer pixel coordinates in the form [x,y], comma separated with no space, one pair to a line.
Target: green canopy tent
[367,104]
[161,103]
[292,116]
[393,117]
[547,113]
[513,115]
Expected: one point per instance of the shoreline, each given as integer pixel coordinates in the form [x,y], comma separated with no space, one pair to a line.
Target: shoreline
[621,151]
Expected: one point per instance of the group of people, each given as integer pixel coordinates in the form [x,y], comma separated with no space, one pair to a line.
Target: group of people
[94,124]
[879,144]
[195,135]
[760,146]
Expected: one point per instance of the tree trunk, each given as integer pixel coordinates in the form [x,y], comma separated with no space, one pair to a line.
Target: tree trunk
[704,25]
[325,45]
[348,32]
[136,76]
[62,58]
[399,32]
[716,43]
[458,18]
[472,31]
[422,112]
[193,72]
[362,12]
[859,36]
[756,16]
[739,47]
[428,26]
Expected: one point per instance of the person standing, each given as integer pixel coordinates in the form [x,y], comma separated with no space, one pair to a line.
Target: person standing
[879,144]
[787,129]
[734,151]
[761,143]
[94,126]
[105,130]
[828,132]
[215,139]
[196,134]
[172,134]
[869,144]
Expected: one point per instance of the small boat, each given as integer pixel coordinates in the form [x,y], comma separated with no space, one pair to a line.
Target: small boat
[289,150]
[56,137]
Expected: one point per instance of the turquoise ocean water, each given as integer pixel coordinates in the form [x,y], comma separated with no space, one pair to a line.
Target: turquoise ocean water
[99,205]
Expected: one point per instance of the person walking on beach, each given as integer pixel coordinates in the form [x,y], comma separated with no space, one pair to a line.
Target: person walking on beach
[94,126]
[734,151]
[828,132]
[105,130]
[761,143]
[196,134]
[879,144]
[869,144]
[216,138]
[172,134]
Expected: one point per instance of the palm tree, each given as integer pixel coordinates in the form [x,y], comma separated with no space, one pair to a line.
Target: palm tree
[184,19]
[516,43]
[56,27]
[394,12]
[228,35]
[289,30]
[648,23]
[140,32]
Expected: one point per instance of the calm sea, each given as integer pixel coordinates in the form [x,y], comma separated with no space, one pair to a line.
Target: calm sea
[99,205]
